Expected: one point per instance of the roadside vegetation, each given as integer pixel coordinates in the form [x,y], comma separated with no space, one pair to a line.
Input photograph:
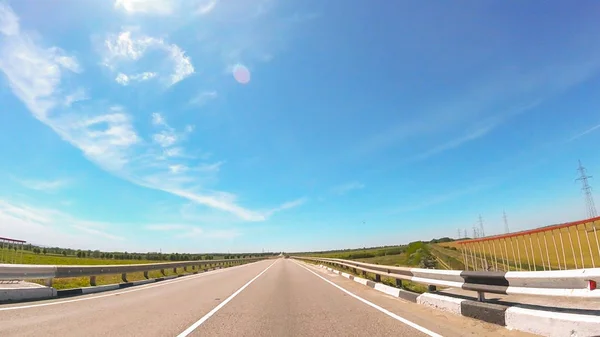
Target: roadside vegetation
[419,254]
[59,256]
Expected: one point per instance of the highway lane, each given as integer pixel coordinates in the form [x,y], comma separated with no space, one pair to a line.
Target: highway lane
[161,309]
[267,298]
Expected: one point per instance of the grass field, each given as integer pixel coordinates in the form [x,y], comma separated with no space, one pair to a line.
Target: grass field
[566,248]
[76,282]
[415,254]
[29,257]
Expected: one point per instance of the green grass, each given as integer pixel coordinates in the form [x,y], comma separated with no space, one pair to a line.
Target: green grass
[77,282]
[32,258]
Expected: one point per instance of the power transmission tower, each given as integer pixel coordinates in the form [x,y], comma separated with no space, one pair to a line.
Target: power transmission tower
[587,190]
[481,226]
[458,234]
[506,230]
[466,234]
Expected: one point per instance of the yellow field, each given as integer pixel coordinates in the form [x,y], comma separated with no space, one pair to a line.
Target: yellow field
[570,247]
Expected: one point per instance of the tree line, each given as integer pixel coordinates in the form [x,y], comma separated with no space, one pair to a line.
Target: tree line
[151,256]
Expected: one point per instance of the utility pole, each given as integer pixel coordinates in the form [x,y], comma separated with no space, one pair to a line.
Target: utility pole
[506,230]
[481,226]
[458,234]
[587,190]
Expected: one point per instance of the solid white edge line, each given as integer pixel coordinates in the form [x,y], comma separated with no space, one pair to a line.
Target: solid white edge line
[375,306]
[222,304]
[137,288]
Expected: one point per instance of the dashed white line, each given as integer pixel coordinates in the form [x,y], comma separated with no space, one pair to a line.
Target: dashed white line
[375,306]
[222,304]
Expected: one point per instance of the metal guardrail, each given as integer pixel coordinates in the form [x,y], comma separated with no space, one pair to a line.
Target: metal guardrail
[580,283]
[13,272]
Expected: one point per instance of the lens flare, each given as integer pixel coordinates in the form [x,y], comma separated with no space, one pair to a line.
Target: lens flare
[241,74]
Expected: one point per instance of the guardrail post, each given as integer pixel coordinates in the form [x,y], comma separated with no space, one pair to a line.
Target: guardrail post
[48,282]
[431,288]
[194,267]
[354,270]
[481,296]
[175,270]
[162,271]
[377,278]
[146,275]
[93,281]
[184,268]
[124,277]
[398,283]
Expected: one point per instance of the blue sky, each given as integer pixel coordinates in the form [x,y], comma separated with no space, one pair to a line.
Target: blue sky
[362,123]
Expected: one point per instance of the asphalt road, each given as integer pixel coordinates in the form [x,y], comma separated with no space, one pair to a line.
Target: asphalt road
[268,298]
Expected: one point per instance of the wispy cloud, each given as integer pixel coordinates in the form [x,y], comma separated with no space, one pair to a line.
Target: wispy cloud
[452,144]
[190,231]
[347,187]
[206,6]
[159,7]
[440,198]
[130,46]
[106,134]
[203,97]
[287,205]
[124,79]
[52,227]
[581,134]
[44,185]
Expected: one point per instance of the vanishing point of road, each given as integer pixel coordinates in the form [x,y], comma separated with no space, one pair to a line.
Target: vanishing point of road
[280,297]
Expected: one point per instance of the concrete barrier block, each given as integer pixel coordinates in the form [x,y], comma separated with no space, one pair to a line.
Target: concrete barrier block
[25,291]
[445,303]
[487,312]
[552,323]
[387,289]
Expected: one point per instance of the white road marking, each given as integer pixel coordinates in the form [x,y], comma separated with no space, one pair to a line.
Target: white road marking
[137,288]
[373,305]
[222,304]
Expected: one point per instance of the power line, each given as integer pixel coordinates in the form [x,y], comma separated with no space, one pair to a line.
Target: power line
[587,190]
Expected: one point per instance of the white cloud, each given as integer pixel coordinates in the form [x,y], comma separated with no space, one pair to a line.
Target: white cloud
[130,46]
[77,96]
[125,79]
[190,231]
[347,187]
[164,138]
[106,135]
[9,22]
[285,206]
[165,227]
[203,97]
[122,79]
[33,72]
[123,46]
[157,119]
[581,134]
[55,228]
[183,64]
[44,185]
[206,6]
[159,7]
[178,168]
[67,62]
[454,143]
